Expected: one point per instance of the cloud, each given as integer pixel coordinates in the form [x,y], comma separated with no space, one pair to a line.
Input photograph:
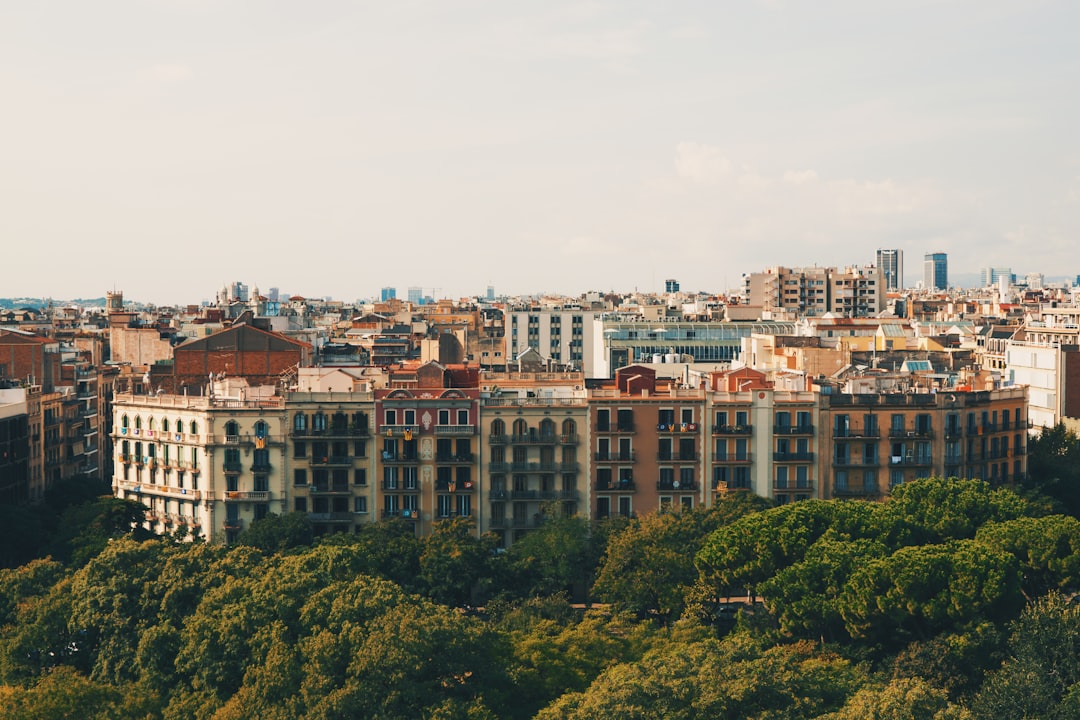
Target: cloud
[167,73]
[798,177]
[700,163]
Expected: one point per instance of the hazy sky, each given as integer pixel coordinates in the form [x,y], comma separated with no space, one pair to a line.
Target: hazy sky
[164,147]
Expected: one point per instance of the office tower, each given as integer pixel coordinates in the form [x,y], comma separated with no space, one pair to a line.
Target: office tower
[491,292]
[936,271]
[891,263]
[989,276]
[388,293]
[416,295]
[238,291]
[671,286]
[273,294]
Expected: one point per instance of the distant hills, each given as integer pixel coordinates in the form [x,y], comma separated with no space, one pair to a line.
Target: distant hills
[38,303]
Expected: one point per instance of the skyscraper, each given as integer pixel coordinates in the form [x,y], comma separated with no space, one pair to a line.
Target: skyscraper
[416,295]
[936,271]
[671,286]
[387,293]
[891,263]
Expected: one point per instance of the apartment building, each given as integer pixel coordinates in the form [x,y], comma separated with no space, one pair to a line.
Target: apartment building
[207,465]
[560,334]
[852,291]
[14,448]
[426,457]
[645,440]
[534,446]
[330,458]
[872,442]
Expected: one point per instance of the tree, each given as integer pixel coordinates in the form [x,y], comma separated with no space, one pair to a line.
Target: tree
[454,561]
[900,699]
[1054,466]
[277,533]
[649,567]
[1040,677]
[387,549]
[1047,548]
[557,557]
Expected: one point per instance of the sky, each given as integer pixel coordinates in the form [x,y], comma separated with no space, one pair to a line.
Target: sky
[330,148]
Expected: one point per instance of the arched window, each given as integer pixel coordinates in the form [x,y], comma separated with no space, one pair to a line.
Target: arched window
[261,429]
[498,427]
[340,422]
[569,427]
[299,422]
[547,427]
[150,423]
[232,428]
[124,421]
[318,421]
[164,424]
[521,427]
[138,422]
[194,428]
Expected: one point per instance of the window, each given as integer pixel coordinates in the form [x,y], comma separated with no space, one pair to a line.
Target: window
[444,505]
[360,476]
[299,476]
[686,478]
[261,510]
[261,483]
[299,449]
[300,504]
[232,429]
[688,415]
[667,417]
[231,484]
[444,417]
[390,478]
[781,477]
[299,422]
[462,417]
[603,420]
[410,417]
[360,505]
[625,507]
[194,428]
[318,422]
[391,417]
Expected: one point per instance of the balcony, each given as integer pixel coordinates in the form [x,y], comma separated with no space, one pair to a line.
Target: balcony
[733,429]
[567,467]
[499,467]
[260,466]
[338,489]
[617,486]
[405,431]
[332,431]
[331,460]
[677,457]
[247,495]
[629,457]
[400,486]
[234,524]
[232,466]
[793,456]
[851,461]
[798,488]
[793,429]
[676,486]
[856,433]
[910,460]
[497,523]
[570,439]
[903,433]
[453,458]
[455,429]
[391,459]
[498,494]
[334,517]
[498,439]
[733,459]
[677,427]
[534,439]
[454,486]
[568,495]
[626,427]
[855,491]
[404,514]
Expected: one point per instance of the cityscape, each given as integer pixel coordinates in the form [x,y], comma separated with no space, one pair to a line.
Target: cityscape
[812,383]
[539,361]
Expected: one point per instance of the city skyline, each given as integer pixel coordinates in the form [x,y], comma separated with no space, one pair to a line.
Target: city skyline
[335,150]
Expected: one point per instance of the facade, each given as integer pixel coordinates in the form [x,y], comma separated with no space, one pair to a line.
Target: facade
[891,263]
[205,466]
[534,449]
[562,335]
[645,441]
[426,454]
[14,448]
[936,271]
[387,293]
[808,292]
[330,458]
[991,275]
[872,442]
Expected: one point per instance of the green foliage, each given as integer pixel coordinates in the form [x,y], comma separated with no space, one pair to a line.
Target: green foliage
[557,557]
[935,510]
[387,549]
[648,568]
[734,678]
[1047,548]
[277,533]
[1054,466]
[901,699]
[454,561]
[1040,677]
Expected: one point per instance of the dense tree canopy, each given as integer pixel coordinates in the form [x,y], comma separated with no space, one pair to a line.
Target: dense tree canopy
[939,604]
